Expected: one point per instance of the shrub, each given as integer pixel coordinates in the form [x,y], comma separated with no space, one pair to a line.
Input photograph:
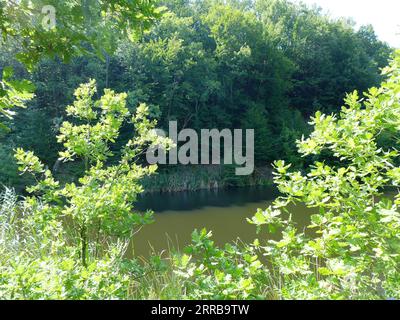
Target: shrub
[209,272]
[350,250]
[68,241]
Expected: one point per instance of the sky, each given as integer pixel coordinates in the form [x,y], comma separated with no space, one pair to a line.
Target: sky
[384,15]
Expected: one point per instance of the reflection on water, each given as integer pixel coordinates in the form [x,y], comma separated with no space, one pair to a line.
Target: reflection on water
[222,211]
[192,200]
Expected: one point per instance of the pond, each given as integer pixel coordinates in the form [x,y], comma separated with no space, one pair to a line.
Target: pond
[224,212]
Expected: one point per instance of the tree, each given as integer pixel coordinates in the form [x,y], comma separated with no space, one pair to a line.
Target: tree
[100,203]
[205,64]
[66,29]
[256,118]
[330,57]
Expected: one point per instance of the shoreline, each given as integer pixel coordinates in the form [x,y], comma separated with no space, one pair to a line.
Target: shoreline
[211,177]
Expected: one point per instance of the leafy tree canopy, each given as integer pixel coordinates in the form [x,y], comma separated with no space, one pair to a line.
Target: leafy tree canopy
[65,29]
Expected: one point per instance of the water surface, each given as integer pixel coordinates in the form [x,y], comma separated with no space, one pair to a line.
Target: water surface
[222,211]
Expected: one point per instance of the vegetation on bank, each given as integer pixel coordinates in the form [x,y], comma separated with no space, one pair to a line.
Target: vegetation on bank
[265,65]
[349,251]
[191,178]
[240,63]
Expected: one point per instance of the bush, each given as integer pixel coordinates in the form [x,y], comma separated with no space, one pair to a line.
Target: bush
[68,241]
[219,273]
[37,263]
[351,248]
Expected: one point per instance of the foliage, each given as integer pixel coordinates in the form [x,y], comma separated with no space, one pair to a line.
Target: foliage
[329,56]
[255,118]
[65,29]
[100,203]
[350,250]
[209,64]
[13,93]
[80,26]
[68,241]
[243,64]
[8,169]
[36,261]
[208,272]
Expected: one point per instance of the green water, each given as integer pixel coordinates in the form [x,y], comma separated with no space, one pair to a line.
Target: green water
[222,211]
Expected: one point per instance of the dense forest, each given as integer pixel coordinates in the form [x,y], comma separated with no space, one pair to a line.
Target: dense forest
[84,85]
[265,65]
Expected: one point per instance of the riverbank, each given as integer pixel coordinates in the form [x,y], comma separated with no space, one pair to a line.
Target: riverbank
[203,177]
